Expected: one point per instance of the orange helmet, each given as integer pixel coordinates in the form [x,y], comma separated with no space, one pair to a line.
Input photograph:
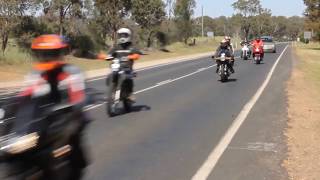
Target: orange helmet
[48,42]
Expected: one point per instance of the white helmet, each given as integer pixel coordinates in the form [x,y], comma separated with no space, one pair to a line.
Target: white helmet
[124,35]
[223,41]
[228,38]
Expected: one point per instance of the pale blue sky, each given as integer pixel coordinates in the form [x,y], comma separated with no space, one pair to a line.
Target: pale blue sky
[216,8]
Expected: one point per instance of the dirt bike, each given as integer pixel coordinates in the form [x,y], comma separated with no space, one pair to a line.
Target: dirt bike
[120,82]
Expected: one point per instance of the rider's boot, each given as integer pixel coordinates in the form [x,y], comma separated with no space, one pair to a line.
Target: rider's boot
[231,66]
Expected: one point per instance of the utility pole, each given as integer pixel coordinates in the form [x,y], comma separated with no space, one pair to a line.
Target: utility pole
[202,25]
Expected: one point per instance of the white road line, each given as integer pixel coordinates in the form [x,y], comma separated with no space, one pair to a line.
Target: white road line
[155,86]
[208,166]
[88,108]
[155,66]
[164,82]
[176,79]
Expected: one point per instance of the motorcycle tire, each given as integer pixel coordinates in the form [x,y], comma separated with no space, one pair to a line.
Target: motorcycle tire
[125,93]
[223,76]
[111,100]
[78,160]
[127,105]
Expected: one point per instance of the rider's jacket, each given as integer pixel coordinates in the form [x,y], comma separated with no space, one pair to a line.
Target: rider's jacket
[258,44]
[221,50]
[124,50]
[231,49]
[55,83]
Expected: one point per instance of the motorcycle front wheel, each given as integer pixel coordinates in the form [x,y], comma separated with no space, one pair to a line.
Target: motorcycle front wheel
[111,109]
[223,74]
[125,93]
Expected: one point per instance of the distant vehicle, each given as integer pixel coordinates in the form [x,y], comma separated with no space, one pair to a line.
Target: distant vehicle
[269,45]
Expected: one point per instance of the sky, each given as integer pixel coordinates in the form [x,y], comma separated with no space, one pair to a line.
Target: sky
[215,8]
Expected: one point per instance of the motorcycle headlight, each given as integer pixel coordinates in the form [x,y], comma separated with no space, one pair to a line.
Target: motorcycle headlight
[20,144]
[115,66]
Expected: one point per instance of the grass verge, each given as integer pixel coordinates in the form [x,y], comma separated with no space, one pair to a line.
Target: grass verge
[16,63]
[303,133]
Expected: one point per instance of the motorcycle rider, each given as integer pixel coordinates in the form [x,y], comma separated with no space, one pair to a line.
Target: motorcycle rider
[246,42]
[230,47]
[258,44]
[125,48]
[54,82]
[224,47]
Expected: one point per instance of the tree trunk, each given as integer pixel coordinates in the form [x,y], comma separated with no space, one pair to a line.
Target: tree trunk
[5,39]
[61,20]
[149,42]
[186,41]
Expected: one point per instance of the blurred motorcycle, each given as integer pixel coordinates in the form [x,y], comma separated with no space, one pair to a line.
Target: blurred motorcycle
[42,144]
[120,84]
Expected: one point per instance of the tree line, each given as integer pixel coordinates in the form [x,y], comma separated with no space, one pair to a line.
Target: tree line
[251,20]
[91,25]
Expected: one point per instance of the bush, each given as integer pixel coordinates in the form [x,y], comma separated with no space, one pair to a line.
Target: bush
[162,38]
[28,29]
[83,45]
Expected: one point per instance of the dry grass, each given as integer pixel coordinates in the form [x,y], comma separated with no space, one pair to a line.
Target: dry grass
[303,134]
[17,63]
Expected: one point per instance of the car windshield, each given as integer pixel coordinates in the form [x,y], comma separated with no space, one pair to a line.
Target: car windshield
[266,39]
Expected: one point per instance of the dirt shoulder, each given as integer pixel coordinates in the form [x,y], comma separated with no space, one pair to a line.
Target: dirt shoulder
[303,132]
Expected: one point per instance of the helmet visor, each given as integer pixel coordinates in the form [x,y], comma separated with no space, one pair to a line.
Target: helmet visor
[123,35]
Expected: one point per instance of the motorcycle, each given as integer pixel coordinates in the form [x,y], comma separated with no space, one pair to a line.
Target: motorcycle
[245,52]
[45,147]
[257,56]
[223,63]
[119,82]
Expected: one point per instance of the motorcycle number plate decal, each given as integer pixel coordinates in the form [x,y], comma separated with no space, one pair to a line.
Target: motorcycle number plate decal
[115,66]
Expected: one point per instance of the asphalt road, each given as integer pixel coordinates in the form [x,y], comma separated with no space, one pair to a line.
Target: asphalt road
[181,114]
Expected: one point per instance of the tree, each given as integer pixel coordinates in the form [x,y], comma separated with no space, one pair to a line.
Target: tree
[248,9]
[11,12]
[148,14]
[183,12]
[61,9]
[109,15]
[313,16]
[295,26]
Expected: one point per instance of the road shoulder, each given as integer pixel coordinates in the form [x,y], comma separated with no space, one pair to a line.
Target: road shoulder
[104,71]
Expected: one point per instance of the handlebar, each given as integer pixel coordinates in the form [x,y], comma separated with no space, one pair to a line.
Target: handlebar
[130,57]
[219,58]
